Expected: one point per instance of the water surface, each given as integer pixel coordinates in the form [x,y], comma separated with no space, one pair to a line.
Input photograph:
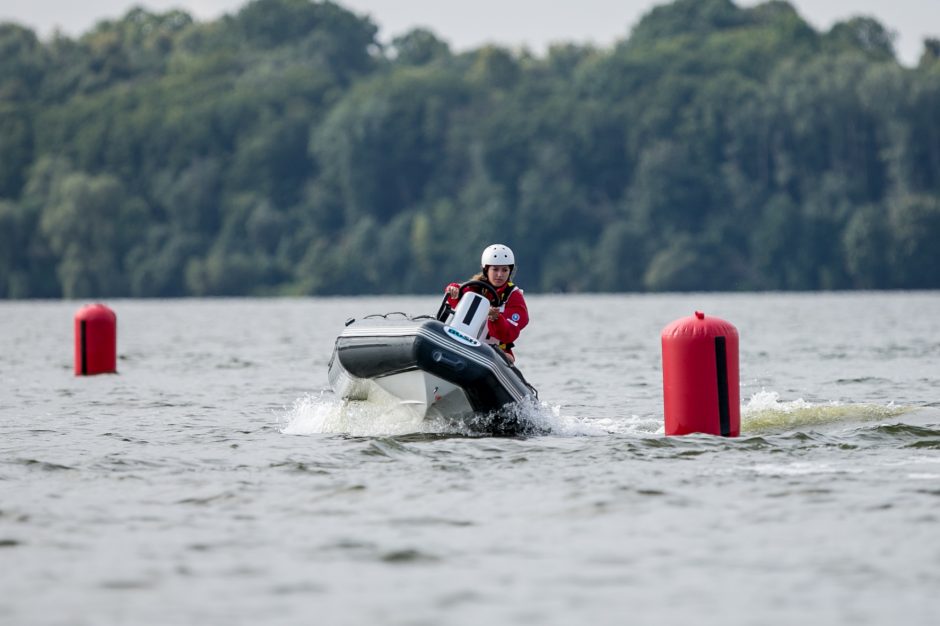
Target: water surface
[215,479]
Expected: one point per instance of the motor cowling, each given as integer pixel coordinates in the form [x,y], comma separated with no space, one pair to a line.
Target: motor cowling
[701,392]
[470,314]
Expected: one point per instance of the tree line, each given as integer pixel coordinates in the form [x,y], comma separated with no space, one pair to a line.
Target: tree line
[283,149]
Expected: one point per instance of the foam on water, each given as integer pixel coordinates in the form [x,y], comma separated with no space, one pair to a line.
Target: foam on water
[384,416]
[579,426]
[766,412]
[168,493]
[324,413]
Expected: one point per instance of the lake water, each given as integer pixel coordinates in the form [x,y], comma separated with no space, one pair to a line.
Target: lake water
[216,480]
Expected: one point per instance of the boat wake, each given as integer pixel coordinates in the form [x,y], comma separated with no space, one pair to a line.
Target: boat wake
[387,416]
[766,412]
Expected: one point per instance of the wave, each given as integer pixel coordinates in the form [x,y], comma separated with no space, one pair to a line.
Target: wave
[324,413]
[763,413]
[766,412]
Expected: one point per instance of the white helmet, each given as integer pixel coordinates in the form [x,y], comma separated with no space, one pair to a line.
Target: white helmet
[497,254]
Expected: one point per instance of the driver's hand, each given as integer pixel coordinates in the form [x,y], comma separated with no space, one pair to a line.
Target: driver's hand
[452,292]
[494,314]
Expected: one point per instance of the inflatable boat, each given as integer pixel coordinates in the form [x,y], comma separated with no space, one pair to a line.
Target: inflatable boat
[438,366]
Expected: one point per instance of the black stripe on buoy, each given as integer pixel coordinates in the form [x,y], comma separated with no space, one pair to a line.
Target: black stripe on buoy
[721,362]
[84,351]
[472,311]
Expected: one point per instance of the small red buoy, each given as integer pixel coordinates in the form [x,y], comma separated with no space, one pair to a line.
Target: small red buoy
[95,340]
[701,393]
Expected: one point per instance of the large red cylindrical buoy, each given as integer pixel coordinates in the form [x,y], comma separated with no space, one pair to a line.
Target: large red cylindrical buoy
[95,340]
[701,393]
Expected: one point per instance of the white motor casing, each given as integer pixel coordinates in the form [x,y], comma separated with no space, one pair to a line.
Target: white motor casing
[470,315]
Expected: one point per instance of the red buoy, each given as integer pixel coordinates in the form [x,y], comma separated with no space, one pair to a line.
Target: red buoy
[700,377]
[95,340]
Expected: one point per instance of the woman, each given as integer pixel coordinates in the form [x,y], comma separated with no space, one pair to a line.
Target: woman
[506,320]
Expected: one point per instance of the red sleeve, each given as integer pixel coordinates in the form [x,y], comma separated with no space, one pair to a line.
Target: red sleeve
[452,302]
[511,320]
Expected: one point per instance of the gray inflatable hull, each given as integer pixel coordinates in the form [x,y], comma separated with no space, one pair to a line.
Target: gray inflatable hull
[431,367]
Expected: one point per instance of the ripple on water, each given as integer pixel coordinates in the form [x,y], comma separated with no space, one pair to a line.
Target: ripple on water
[43,466]
[355,498]
[407,556]
[430,521]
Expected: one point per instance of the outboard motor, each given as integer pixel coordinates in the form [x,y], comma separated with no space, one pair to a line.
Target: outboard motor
[470,315]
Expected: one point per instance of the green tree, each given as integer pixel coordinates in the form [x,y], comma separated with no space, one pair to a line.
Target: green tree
[91,224]
[282,149]
[342,39]
[619,259]
[866,241]
[863,34]
[915,223]
[385,142]
[22,64]
[419,46]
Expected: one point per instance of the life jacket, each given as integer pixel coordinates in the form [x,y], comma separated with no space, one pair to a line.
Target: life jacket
[503,298]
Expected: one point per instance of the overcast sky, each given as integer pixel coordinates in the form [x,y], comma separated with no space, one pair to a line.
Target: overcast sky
[470,23]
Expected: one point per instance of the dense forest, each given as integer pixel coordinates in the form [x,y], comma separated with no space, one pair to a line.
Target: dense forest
[284,149]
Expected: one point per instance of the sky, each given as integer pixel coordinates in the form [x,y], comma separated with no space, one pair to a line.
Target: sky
[513,23]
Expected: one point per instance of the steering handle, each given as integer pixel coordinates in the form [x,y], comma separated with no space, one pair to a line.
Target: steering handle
[445,308]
